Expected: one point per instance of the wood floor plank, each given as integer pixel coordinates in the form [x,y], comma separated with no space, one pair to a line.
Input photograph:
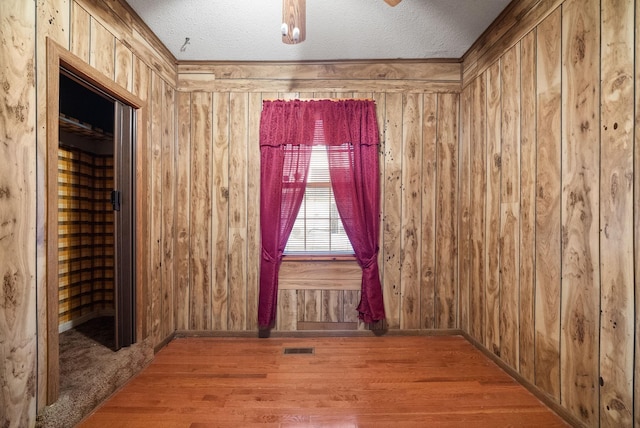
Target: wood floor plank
[377,381]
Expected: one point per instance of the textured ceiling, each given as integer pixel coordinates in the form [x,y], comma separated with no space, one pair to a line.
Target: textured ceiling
[249,30]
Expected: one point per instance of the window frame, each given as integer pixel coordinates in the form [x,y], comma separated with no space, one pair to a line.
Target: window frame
[319,255]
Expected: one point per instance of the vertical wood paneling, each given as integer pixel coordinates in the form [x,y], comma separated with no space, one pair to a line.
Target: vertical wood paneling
[478,200]
[527,171]
[410,236]
[102,49]
[18,346]
[391,206]
[73,27]
[80,31]
[286,317]
[510,206]
[616,214]
[253,211]
[381,112]
[220,211]
[446,221]
[142,88]
[200,312]
[183,227]
[429,212]
[332,306]
[51,22]
[301,305]
[156,207]
[548,191]
[589,174]
[313,305]
[351,299]
[492,223]
[123,66]
[168,210]
[580,206]
[238,106]
[636,231]
[464,192]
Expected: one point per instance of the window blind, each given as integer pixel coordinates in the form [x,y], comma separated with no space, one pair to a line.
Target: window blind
[318,228]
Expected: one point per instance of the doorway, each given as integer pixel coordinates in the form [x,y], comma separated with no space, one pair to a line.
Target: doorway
[126,110]
[95,213]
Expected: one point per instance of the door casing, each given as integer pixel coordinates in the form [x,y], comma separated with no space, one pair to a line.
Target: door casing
[57,58]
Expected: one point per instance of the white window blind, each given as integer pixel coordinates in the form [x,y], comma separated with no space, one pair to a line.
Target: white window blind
[318,228]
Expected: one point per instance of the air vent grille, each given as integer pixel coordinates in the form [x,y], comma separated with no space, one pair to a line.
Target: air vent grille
[299,351]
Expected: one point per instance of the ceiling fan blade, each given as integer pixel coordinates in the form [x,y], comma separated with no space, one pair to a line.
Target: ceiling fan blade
[392,2]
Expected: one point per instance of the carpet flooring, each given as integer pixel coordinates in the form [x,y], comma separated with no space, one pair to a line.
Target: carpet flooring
[90,371]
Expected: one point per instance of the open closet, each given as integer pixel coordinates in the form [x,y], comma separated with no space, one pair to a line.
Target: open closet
[95,214]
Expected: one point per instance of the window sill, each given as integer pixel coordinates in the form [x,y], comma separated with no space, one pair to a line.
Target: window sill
[318,257]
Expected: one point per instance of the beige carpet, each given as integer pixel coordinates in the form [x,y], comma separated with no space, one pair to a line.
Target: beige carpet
[90,371]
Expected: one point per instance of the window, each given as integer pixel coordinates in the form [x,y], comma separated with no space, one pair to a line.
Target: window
[318,229]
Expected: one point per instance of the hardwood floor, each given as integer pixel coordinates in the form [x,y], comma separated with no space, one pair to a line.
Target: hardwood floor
[346,382]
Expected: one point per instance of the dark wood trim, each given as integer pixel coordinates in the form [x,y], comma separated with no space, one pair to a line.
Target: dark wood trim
[51,223]
[326,326]
[316,333]
[164,343]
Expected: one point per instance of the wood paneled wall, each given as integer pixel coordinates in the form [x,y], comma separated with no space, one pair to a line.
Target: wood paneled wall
[108,37]
[549,141]
[218,164]
[508,201]
[18,345]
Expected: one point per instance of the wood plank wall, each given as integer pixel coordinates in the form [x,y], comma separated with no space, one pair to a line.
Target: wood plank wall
[508,206]
[18,345]
[218,161]
[107,36]
[126,52]
[551,141]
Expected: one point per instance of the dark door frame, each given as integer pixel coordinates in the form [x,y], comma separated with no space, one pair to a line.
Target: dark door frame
[57,58]
[124,215]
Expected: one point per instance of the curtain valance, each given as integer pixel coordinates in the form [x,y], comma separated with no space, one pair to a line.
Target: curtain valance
[352,121]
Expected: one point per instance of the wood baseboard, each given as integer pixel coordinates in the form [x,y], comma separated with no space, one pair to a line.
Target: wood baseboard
[541,395]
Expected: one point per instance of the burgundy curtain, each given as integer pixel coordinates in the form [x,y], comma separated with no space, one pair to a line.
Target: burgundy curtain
[353,166]
[285,150]
[286,138]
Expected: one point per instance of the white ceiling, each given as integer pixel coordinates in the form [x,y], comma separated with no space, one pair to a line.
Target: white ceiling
[249,30]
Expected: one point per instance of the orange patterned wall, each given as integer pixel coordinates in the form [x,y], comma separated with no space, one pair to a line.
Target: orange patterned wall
[85,231]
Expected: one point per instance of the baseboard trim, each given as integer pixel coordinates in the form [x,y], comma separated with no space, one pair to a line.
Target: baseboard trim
[163,343]
[316,333]
[537,392]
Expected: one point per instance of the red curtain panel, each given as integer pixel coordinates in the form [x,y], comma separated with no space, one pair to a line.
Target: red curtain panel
[286,138]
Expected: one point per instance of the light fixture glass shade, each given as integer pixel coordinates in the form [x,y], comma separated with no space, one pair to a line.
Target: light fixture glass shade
[294,15]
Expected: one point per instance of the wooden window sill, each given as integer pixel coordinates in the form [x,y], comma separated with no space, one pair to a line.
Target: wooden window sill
[318,258]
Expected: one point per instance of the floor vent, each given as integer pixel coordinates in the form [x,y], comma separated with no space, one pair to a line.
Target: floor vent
[299,351]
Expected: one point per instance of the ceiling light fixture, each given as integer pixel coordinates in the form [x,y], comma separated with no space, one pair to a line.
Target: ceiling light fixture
[294,15]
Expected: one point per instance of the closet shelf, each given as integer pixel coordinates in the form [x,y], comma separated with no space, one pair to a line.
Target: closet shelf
[75,126]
